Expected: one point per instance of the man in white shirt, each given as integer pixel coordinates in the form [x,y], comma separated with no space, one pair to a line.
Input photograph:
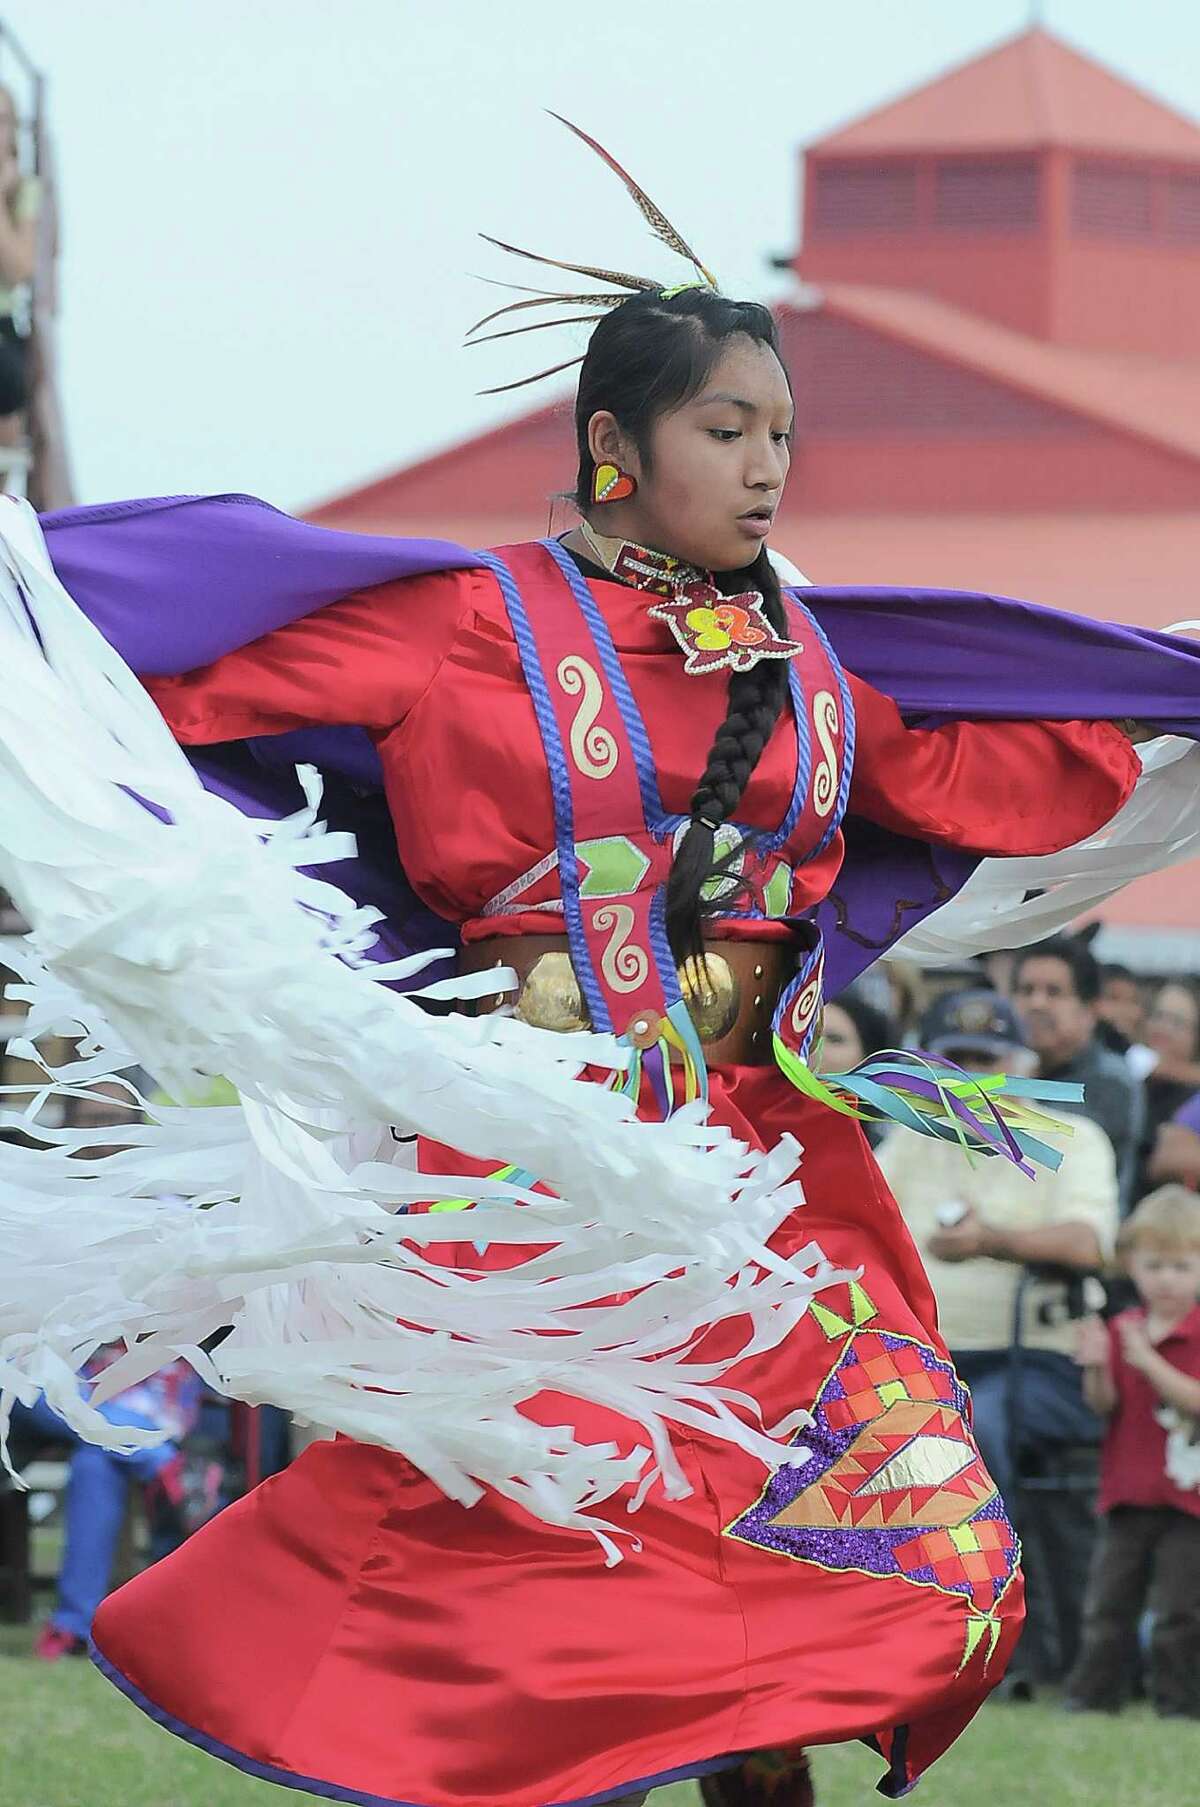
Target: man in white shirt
[983,1228]
[991,1237]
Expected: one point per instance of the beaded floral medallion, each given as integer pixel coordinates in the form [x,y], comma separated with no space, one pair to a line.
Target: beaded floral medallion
[721,632]
[715,632]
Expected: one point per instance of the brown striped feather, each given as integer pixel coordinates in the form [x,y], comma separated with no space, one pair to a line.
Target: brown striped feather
[523,381]
[545,301]
[654,216]
[617,277]
[537,326]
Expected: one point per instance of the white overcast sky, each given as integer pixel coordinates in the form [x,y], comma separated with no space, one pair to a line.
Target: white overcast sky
[270,205]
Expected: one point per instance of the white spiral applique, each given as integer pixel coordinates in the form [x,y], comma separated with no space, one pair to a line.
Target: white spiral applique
[593,748]
[826,723]
[805,1007]
[623,963]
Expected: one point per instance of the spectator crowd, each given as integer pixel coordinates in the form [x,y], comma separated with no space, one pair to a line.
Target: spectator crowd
[1069,1303]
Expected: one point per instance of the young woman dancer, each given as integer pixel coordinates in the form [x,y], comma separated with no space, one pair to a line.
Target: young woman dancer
[621,762]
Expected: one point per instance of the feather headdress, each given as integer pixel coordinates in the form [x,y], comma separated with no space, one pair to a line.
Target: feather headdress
[622,284]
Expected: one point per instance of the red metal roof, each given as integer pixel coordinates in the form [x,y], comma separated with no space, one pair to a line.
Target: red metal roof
[1157,399]
[1135,568]
[510,474]
[1030,92]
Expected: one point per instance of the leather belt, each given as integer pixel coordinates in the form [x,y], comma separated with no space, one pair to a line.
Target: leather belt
[731,1007]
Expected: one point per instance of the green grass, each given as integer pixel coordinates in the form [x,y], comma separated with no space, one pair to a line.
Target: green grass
[67,1739]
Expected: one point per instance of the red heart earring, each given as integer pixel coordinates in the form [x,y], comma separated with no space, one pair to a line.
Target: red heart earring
[611,484]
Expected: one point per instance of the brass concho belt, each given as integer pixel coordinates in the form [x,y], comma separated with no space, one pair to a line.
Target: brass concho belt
[731,1001]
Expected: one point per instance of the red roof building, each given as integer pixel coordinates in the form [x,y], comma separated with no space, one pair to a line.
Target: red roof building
[994,341]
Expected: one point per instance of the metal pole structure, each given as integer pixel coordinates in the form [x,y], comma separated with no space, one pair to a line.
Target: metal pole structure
[50,485]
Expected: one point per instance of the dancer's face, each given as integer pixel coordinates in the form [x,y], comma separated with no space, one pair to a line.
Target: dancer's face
[716,468]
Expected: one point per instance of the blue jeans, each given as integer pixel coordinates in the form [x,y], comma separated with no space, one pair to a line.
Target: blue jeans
[95,1505]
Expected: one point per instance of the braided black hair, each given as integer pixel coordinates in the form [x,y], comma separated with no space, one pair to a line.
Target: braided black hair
[648,356]
[755,700]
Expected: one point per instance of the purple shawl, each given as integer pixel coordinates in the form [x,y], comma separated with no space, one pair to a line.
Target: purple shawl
[175,582]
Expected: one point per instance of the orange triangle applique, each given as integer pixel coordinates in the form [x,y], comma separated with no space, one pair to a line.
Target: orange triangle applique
[968,1483]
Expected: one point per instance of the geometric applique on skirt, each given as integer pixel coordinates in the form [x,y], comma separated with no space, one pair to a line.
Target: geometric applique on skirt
[895,1485]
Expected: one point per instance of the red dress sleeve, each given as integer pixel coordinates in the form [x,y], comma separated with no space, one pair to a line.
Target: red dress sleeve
[987,787]
[365,659]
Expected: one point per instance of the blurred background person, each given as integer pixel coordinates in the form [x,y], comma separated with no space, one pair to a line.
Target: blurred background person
[20,198]
[909,995]
[1056,990]
[98,1488]
[1142,1372]
[1176,1151]
[998,966]
[978,1225]
[897,990]
[181,1486]
[853,1031]
[1173,1042]
[1120,1008]
[1006,1258]
[98,1480]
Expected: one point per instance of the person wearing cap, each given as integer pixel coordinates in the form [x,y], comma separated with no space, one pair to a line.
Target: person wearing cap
[989,1235]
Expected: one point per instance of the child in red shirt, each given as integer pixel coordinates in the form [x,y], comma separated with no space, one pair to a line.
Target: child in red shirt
[1142,1371]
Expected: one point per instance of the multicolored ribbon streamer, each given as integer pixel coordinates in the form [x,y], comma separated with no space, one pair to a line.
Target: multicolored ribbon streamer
[984,1113]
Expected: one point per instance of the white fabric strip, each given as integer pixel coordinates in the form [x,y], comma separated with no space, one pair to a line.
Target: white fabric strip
[1159,826]
[191,946]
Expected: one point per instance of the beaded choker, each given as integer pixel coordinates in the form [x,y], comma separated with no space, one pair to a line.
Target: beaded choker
[715,632]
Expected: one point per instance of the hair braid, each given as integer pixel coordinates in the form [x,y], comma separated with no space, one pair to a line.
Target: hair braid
[645,358]
[756,698]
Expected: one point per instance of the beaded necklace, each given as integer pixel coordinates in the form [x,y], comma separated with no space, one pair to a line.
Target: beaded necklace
[715,632]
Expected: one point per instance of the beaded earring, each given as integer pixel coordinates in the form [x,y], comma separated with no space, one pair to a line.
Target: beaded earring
[611,484]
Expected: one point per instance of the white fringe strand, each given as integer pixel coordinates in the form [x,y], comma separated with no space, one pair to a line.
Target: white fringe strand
[1158,826]
[172,934]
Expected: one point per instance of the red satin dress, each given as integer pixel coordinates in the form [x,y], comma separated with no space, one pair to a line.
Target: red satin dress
[345,1628]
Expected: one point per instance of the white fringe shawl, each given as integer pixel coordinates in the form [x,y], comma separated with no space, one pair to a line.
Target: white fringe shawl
[181,938]
[1158,826]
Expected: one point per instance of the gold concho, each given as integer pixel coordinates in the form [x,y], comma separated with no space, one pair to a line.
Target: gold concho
[550,997]
[645,1029]
[712,995]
